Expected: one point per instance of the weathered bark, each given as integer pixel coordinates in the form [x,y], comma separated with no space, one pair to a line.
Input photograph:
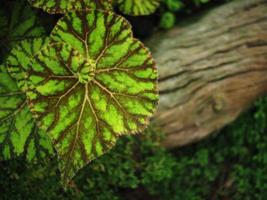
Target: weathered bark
[210,70]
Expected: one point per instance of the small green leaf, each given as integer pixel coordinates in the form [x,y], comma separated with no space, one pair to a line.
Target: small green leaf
[21,23]
[167,20]
[93,83]
[138,7]
[174,5]
[19,134]
[64,6]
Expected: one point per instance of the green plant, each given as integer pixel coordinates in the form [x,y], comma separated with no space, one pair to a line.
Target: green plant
[167,20]
[174,5]
[138,7]
[134,164]
[64,6]
[19,133]
[231,165]
[171,10]
[85,84]
[18,21]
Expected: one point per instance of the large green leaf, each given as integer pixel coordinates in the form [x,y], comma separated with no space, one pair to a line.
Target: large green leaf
[95,83]
[17,22]
[64,6]
[19,134]
[138,7]
[19,58]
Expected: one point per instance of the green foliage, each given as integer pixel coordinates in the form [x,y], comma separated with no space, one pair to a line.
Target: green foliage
[138,7]
[18,21]
[19,134]
[171,10]
[86,84]
[231,165]
[174,5]
[110,81]
[19,59]
[64,6]
[167,20]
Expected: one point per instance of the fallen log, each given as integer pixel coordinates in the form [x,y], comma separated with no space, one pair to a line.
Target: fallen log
[211,69]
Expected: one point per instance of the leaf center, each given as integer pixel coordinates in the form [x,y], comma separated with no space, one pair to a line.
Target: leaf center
[87,71]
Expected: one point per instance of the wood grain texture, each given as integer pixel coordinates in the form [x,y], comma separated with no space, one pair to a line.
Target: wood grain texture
[211,70]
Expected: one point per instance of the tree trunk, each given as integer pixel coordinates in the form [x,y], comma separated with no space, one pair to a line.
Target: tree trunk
[211,69]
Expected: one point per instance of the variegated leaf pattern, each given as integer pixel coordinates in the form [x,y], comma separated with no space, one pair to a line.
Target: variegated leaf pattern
[138,7]
[64,6]
[19,58]
[19,134]
[94,83]
[22,24]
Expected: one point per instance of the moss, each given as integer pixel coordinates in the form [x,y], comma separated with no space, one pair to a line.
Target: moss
[231,164]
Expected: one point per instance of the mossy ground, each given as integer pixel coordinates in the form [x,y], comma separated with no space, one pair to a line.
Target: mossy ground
[229,164]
